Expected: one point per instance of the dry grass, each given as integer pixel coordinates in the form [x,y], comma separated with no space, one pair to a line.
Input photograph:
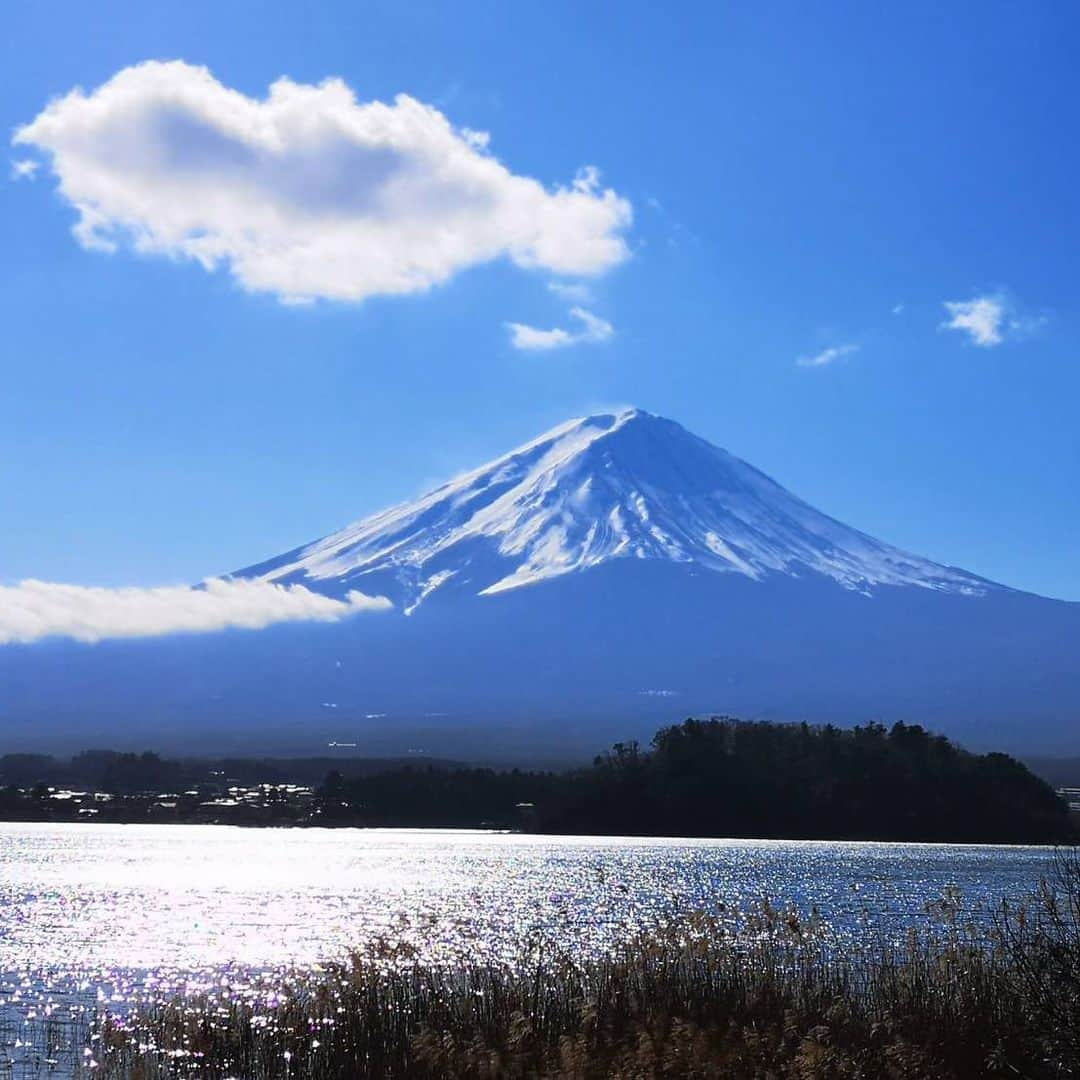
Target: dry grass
[45,1043]
[764,995]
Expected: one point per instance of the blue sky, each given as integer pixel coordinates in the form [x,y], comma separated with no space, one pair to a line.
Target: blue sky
[803,185]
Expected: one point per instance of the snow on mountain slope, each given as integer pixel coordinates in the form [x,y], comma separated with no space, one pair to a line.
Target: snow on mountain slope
[628,485]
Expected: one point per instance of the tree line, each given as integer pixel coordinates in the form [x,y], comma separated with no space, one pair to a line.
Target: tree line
[728,778]
[718,777]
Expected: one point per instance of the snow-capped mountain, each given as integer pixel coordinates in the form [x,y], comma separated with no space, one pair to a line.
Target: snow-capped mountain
[611,576]
[626,485]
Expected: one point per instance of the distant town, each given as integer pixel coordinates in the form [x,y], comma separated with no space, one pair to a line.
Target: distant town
[109,786]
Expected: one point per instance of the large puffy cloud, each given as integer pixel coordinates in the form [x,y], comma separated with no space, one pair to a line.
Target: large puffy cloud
[33,610]
[309,193]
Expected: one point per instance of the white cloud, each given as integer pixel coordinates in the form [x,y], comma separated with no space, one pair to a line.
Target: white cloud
[309,193]
[898,309]
[593,330]
[982,319]
[24,169]
[827,356]
[523,336]
[33,610]
[576,292]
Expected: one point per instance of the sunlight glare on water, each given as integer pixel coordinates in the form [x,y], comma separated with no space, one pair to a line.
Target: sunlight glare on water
[111,913]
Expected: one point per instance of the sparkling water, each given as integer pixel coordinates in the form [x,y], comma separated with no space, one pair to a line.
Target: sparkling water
[96,915]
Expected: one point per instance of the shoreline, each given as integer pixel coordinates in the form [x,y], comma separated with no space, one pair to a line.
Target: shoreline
[598,838]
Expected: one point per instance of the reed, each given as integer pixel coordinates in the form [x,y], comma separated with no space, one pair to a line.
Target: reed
[763,994]
[48,1042]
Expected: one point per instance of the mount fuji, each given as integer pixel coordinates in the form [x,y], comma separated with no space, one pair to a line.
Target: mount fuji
[627,485]
[614,574]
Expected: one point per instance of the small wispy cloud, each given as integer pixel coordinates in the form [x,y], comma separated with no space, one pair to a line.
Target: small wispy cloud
[576,292]
[32,610]
[897,309]
[991,319]
[981,318]
[523,336]
[1023,326]
[25,169]
[592,331]
[826,356]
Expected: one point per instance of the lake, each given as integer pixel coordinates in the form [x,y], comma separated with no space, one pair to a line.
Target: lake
[108,913]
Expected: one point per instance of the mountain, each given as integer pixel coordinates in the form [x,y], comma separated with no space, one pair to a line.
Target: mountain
[615,574]
[627,485]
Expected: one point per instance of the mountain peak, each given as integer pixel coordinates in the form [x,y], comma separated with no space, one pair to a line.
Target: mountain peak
[628,414]
[610,486]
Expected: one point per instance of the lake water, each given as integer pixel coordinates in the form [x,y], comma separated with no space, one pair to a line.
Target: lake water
[111,912]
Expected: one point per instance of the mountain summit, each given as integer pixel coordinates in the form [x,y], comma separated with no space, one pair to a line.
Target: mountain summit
[626,485]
